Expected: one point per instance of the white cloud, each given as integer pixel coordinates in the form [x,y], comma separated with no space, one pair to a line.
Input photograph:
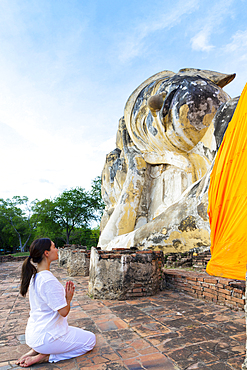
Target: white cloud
[211,20]
[235,56]
[43,181]
[61,97]
[159,19]
[108,145]
[43,137]
[238,43]
[49,166]
[201,41]
[168,19]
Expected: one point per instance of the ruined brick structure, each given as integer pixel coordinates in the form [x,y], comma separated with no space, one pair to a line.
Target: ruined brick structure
[124,274]
[222,291]
[78,262]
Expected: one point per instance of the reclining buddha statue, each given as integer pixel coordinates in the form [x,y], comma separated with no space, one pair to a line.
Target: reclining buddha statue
[155,182]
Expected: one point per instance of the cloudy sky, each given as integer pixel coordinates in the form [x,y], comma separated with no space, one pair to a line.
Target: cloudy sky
[67,68]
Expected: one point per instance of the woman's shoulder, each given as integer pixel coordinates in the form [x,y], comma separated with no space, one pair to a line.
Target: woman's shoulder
[46,280]
[45,275]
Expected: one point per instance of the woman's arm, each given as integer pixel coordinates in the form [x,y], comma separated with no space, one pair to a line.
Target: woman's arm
[69,292]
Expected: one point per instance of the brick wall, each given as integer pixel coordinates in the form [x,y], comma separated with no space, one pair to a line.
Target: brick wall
[188,259]
[227,292]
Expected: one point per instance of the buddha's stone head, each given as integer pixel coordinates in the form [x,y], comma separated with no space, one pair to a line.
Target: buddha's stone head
[173,111]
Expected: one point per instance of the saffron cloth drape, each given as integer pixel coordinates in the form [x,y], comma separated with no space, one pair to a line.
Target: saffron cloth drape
[227,198]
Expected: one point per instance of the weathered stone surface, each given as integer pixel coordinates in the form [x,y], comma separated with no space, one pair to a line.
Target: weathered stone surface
[78,261]
[124,274]
[63,254]
[222,118]
[155,182]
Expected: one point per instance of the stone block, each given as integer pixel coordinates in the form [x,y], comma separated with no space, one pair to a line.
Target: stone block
[63,254]
[116,276]
[78,262]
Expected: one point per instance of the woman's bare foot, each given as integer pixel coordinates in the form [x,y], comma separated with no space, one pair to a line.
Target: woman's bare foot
[37,359]
[30,353]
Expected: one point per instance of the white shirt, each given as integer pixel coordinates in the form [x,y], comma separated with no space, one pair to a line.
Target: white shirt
[46,297]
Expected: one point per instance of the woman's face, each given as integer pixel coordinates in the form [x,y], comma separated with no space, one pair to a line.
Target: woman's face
[53,252]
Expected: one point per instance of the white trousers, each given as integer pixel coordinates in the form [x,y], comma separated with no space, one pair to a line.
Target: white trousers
[74,343]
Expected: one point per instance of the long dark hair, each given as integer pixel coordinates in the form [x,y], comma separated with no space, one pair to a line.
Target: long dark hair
[36,249]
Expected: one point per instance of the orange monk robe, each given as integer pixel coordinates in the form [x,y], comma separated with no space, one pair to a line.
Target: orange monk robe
[227,197]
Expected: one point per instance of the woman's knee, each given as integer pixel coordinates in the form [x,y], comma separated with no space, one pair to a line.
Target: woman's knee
[92,341]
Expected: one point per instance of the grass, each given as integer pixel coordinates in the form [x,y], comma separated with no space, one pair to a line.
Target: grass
[20,254]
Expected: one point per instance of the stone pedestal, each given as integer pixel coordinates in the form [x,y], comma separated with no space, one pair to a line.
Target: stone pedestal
[124,274]
[78,261]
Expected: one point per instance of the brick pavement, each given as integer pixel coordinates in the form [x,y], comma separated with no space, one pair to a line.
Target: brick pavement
[169,331]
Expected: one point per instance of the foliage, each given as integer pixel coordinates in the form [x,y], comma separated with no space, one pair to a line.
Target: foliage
[96,197]
[86,236]
[8,237]
[73,209]
[47,227]
[65,219]
[16,216]
[68,217]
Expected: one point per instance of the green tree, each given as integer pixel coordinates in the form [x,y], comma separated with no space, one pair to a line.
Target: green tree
[47,225]
[18,213]
[85,236]
[73,208]
[8,237]
[96,197]
[67,218]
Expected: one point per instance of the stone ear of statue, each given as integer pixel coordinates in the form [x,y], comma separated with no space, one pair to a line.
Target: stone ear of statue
[220,79]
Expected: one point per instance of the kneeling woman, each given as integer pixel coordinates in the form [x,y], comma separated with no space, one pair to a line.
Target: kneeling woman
[47,331]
